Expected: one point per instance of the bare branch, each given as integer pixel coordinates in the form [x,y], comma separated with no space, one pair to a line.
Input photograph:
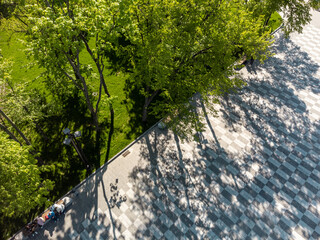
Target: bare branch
[97,62]
[78,60]
[47,3]
[19,18]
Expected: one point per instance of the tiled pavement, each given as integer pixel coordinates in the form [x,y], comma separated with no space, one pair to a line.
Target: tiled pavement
[254,175]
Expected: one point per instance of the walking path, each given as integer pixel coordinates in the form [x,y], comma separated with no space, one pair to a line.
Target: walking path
[254,175]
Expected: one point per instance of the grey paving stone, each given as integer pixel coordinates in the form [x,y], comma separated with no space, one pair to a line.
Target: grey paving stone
[169,235]
[226,220]
[288,191]
[289,215]
[309,222]
[85,235]
[175,230]
[266,196]
[274,185]
[155,231]
[259,231]
[315,235]
[298,206]
[312,188]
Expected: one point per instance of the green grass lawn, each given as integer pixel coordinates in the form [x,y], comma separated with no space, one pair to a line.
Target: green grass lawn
[275,21]
[14,50]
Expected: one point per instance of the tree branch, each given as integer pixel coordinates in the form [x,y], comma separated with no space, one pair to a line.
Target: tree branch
[201,52]
[4,128]
[15,127]
[97,62]
[85,91]
[19,18]
[71,78]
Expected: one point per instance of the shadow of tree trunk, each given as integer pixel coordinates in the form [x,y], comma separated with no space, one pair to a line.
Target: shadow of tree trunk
[111,131]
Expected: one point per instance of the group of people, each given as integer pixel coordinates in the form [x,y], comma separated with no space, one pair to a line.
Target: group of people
[31,228]
[55,211]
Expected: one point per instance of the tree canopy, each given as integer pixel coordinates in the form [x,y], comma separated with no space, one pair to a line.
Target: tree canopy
[296,13]
[21,187]
[174,49]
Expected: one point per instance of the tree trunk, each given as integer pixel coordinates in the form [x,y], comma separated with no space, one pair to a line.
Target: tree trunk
[110,132]
[89,104]
[267,20]
[147,101]
[15,127]
[4,128]
[100,66]
[77,73]
[145,110]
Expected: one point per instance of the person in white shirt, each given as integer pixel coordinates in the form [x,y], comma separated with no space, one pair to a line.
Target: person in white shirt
[59,208]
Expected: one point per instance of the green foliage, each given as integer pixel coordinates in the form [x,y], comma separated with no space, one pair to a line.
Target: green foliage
[5,69]
[7,8]
[59,33]
[21,188]
[25,107]
[315,4]
[296,13]
[275,21]
[178,48]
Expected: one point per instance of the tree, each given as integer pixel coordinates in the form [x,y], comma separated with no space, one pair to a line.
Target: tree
[59,33]
[315,4]
[21,187]
[5,69]
[175,49]
[12,15]
[296,13]
[20,107]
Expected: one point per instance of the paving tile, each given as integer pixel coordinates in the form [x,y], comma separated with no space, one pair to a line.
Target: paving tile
[85,235]
[74,234]
[86,223]
[309,222]
[170,235]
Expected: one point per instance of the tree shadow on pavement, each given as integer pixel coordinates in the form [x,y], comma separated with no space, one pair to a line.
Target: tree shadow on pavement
[255,172]
[89,217]
[279,109]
